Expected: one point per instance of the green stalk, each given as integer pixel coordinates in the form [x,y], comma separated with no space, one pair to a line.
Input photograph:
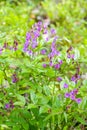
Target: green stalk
[53,96]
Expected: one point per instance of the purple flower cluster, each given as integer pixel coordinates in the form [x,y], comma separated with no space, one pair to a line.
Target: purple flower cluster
[9,105]
[43,52]
[58,65]
[70,56]
[54,51]
[6,46]
[75,78]
[32,38]
[59,79]
[66,85]
[15,45]
[52,54]
[53,31]
[14,78]
[44,65]
[72,95]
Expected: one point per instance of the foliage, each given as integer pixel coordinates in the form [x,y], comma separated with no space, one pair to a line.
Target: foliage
[43,81]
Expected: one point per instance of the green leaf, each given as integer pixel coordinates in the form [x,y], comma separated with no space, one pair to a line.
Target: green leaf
[33,97]
[19,103]
[31,106]
[65,116]
[21,100]
[65,128]
[81,120]
[3,126]
[24,123]
[46,90]
[1,105]
[44,109]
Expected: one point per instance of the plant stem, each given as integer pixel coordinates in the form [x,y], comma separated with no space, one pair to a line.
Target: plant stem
[53,97]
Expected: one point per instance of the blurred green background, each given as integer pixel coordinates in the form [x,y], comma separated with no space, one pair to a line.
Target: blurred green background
[69,17]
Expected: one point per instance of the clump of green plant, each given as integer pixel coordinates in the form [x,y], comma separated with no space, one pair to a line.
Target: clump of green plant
[70,19]
[15,20]
[41,83]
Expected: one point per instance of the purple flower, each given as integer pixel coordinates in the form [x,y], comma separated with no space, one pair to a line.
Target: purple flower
[51,64]
[7,106]
[28,36]
[36,34]
[45,31]
[78,77]
[45,26]
[14,78]
[34,43]
[53,31]
[39,23]
[53,45]
[15,43]
[75,91]
[34,46]
[51,55]
[68,56]
[60,62]
[1,50]
[54,41]
[57,66]
[59,79]
[39,28]
[47,39]
[55,38]
[67,95]
[73,78]
[72,97]
[15,46]
[65,85]
[78,100]
[30,52]
[71,93]
[44,65]
[5,45]
[11,104]
[72,56]
[26,45]
[43,52]
[57,53]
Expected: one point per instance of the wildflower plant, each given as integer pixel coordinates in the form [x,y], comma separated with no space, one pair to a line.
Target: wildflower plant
[40,82]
